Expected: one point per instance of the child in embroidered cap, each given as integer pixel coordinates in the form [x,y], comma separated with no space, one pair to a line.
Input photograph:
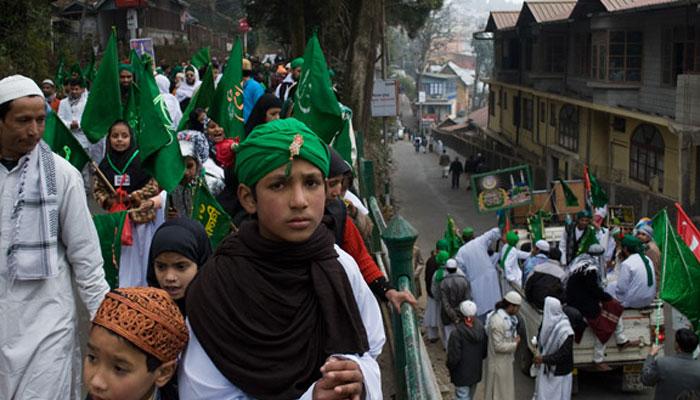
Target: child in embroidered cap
[136,337]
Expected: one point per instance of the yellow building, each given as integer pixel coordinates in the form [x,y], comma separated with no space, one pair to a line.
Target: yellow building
[604,84]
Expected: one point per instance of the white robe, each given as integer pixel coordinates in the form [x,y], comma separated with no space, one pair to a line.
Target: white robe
[631,289]
[199,379]
[514,274]
[186,91]
[473,259]
[69,113]
[39,351]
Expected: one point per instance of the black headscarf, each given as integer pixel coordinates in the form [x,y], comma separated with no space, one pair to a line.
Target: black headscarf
[183,236]
[259,113]
[338,165]
[137,176]
[268,314]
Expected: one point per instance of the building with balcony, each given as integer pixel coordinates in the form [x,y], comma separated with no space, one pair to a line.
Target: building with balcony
[440,96]
[611,84]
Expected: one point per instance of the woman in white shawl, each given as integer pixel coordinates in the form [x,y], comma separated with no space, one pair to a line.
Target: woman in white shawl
[555,360]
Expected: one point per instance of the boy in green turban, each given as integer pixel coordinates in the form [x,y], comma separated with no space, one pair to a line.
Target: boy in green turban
[281,287]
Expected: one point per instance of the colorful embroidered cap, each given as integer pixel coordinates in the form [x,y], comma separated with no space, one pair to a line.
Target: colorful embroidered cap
[146,317]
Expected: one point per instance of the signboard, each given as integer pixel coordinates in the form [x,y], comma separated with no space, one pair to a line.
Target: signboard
[560,200]
[421,97]
[385,94]
[502,189]
[624,214]
[130,3]
[143,46]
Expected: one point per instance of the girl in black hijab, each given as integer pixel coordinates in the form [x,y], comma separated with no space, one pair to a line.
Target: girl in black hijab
[180,247]
[265,110]
[122,168]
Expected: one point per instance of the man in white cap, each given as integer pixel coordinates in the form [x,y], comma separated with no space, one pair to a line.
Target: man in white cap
[466,351]
[454,289]
[503,339]
[48,249]
[539,255]
[49,90]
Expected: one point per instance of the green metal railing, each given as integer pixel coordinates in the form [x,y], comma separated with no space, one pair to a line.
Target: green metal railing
[392,245]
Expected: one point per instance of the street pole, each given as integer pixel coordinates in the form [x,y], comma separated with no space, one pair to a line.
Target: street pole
[384,65]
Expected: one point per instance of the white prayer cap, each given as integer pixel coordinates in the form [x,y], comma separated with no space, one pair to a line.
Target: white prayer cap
[467,308]
[514,298]
[187,149]
[596,249]
[48,82]
[451,264]
[16,86]
[543,245]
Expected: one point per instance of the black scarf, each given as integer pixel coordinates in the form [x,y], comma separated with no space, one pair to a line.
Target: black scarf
[258,115]
[268,314]
[183,236]
[137,176]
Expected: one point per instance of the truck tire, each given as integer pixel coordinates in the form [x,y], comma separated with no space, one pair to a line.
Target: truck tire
[524,357]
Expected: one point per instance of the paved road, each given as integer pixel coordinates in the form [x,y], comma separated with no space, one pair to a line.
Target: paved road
[424,199]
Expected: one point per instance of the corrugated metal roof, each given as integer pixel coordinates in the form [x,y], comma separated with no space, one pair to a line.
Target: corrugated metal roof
[549,11]
[619,5]
[505,19]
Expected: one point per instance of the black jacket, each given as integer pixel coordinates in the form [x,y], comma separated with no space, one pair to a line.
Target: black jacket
[540,285]
[562,359]
[584,294]
[456,167]
[466,351]
[430,268]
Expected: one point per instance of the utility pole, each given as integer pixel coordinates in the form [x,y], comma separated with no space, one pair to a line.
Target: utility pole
[385,59]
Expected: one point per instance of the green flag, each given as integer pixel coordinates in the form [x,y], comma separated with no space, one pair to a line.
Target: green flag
[454,241]
[109,230]
[536,226]
[569,197]
[63,143]
[131,109]
[343,142]
[75,69]
[202,98]
[598,196]
[159,148]
[103,105]
[201,58]
[60,75]
[208,211]
[227,105]
[315,103]
[587,240]
[680,270]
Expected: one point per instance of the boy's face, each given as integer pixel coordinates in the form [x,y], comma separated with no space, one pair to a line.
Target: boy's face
[215,132]
[115,370]
[290,207]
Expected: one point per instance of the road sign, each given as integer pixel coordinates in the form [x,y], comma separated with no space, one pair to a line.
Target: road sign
[385,94]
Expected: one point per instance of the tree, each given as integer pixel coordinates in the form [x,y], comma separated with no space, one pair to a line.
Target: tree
[25,46]
[433,37]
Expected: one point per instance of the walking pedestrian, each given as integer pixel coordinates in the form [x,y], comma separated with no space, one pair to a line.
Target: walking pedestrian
[444,163]
[466,351]
[431,319]
[49,251]
[456,170]
[454,289]
[555,361]
[501,328]
[431,266]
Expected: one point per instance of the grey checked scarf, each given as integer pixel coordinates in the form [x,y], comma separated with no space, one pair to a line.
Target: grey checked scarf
[33,250]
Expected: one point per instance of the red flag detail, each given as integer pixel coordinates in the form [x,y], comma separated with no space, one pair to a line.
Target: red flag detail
[688,231]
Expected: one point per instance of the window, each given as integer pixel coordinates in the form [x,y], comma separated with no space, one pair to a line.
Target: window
[527,114]
[528,54]
[552,116]
[619,124]
[680,53]
[582,54]
[543,112]
[647,155]
[492,105]
[511,54]
[568,127]
[516,110]
[599,52]
[625,56]
[555,54]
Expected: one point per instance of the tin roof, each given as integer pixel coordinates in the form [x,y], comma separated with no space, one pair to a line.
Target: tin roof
[619,5]
[549,11]
[499,20]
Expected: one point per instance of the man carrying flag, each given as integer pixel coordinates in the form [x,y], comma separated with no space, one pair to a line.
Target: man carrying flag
[577,237]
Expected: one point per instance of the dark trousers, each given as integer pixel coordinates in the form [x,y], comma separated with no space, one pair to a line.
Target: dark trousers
[455,181]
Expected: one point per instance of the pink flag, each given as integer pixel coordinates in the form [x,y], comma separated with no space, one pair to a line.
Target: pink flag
[688,231]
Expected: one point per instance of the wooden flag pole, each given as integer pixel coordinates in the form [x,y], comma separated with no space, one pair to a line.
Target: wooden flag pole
[103,177]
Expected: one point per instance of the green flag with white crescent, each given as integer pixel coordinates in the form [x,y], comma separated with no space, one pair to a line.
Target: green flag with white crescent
[208,211]
[315,103]
[227,105]
[61,140]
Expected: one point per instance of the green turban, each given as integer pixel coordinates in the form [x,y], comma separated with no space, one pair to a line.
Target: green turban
[512,238]
[442,244]
[126,67]
[442,257]
[584,214]
[297,62]
[273,144]
[468,232]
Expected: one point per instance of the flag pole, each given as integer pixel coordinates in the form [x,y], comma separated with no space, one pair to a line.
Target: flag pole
[102,177]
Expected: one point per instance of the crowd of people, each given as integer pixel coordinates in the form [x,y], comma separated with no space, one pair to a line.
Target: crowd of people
[286,306]
[585,281]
